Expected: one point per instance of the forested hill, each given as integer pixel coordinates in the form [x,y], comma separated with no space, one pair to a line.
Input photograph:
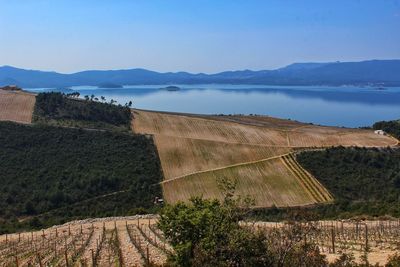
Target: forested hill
[363,181]
[89,165]
[373,72]
[53,175]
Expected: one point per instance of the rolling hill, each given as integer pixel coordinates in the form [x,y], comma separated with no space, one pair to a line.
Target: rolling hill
[375,72]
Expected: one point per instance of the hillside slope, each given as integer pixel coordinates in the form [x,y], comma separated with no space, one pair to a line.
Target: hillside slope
[197,151]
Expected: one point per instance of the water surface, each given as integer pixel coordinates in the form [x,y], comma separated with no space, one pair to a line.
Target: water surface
[335,106]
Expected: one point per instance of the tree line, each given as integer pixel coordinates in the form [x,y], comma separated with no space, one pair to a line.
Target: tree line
[67,110]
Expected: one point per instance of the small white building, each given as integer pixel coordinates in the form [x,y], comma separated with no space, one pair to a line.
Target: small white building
[158,200]
[380,132]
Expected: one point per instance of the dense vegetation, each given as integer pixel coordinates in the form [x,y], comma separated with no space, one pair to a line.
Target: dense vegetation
[363,181]
[59,109]
[55,174]
[391,127]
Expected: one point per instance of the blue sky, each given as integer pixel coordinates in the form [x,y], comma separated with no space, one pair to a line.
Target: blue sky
[194,35]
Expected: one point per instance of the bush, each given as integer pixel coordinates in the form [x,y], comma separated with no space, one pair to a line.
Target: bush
[207,233]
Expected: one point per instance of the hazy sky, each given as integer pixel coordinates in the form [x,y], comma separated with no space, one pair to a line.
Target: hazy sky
[194,35]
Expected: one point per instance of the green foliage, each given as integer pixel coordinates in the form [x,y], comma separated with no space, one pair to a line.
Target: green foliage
[208,233]
[57,174]
[363,181]
[198,229]
[391,127]
[59,109]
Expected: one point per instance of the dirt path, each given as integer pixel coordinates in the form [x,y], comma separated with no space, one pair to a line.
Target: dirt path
[75,204]
[131,256]
[152,253]
[92,245]
[108,255]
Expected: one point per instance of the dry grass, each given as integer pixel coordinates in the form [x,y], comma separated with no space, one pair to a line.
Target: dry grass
[196,150]
[317,136]
[16,106]
[244,133]
[205,129]
[183,156]
[264,121]
[268,183]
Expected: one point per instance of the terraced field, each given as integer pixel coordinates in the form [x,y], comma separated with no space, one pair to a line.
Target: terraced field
[257,151]
[16,106]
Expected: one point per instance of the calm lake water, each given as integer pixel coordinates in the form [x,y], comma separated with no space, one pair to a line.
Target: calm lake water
[336,106]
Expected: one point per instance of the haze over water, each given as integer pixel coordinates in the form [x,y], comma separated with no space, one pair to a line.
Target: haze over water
[334,106]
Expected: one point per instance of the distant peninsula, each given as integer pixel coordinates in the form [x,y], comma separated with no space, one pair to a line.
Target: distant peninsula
[109,85]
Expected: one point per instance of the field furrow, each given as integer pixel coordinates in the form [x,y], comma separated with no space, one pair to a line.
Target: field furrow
[183,156]
[268,182]
[131,256]
[150,252]
[90,250]
[16,106]
[108,255]
[200,128]
[326,195]
[319,193]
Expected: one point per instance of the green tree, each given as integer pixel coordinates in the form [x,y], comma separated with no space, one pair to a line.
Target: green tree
[209,233]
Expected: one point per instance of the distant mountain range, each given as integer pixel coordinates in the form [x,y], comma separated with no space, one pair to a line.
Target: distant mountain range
[372,72]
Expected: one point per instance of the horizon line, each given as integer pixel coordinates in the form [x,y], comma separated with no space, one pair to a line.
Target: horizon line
[196,73]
